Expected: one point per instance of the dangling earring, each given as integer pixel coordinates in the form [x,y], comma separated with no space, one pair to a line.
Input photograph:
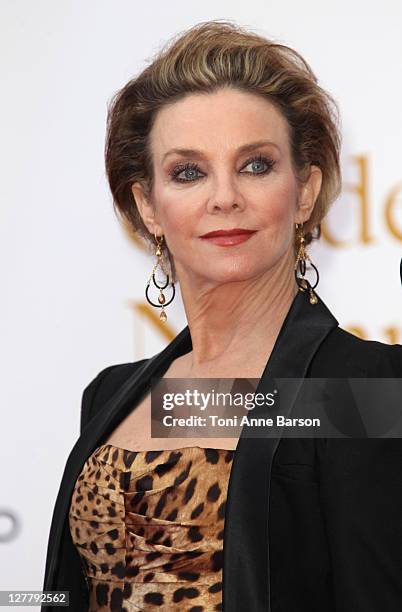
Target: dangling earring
[161,299]
[300,266]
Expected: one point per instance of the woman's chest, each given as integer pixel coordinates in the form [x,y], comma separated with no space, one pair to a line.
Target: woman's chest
[134,433]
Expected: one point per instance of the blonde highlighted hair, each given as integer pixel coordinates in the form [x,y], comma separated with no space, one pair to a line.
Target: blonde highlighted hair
[208,56]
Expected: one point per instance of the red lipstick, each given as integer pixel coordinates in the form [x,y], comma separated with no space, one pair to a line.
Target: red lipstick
[229,237]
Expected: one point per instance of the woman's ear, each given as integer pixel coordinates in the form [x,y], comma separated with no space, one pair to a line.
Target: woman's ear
[146,208]
[308,195]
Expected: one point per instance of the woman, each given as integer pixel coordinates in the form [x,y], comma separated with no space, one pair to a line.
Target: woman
[228,133]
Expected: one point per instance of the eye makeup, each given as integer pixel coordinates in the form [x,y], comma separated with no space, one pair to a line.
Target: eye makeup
[194,167]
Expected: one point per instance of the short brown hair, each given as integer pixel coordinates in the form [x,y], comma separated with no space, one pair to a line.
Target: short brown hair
[208,56]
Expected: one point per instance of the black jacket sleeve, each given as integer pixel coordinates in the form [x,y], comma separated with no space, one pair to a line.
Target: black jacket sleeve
[71,573]
[361,493]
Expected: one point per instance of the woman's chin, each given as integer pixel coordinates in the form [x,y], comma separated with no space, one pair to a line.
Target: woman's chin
[220,274]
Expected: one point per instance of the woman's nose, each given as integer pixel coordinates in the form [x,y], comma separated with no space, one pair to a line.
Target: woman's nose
[224,196]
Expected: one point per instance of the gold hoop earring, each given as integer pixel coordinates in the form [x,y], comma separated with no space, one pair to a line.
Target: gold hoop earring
[300,266]
[161,298]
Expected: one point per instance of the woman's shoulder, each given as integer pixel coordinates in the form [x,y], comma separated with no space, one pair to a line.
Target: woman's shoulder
[113,376]
[104,385]
[342,353]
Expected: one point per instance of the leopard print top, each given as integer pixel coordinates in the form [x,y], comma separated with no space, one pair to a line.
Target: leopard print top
[148,526]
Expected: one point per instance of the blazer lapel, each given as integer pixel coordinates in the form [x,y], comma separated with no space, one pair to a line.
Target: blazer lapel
[246,563]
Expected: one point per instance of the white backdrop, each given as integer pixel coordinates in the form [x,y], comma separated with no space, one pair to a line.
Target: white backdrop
[72,299]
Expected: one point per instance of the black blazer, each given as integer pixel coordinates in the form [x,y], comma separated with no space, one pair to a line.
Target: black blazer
[311,525]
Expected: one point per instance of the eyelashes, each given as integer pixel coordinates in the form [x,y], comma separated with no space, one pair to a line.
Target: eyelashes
[194,168]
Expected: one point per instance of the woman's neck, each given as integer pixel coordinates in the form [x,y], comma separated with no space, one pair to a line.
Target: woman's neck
[235,325]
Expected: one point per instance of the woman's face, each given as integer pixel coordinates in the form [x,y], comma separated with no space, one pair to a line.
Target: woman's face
[209,174]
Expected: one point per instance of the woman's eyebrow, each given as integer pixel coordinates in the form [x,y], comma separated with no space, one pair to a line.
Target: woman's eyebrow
[197,153]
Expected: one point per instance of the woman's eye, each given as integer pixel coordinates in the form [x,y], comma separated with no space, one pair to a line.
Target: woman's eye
[257,164]
[188,170]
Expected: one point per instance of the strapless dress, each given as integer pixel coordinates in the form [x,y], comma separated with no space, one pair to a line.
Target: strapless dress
[148,526]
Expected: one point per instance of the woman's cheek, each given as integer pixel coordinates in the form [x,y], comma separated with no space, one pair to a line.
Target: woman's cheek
[178,229]
[280,206]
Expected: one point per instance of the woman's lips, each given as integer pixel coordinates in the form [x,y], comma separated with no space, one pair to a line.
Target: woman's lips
[228,240]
